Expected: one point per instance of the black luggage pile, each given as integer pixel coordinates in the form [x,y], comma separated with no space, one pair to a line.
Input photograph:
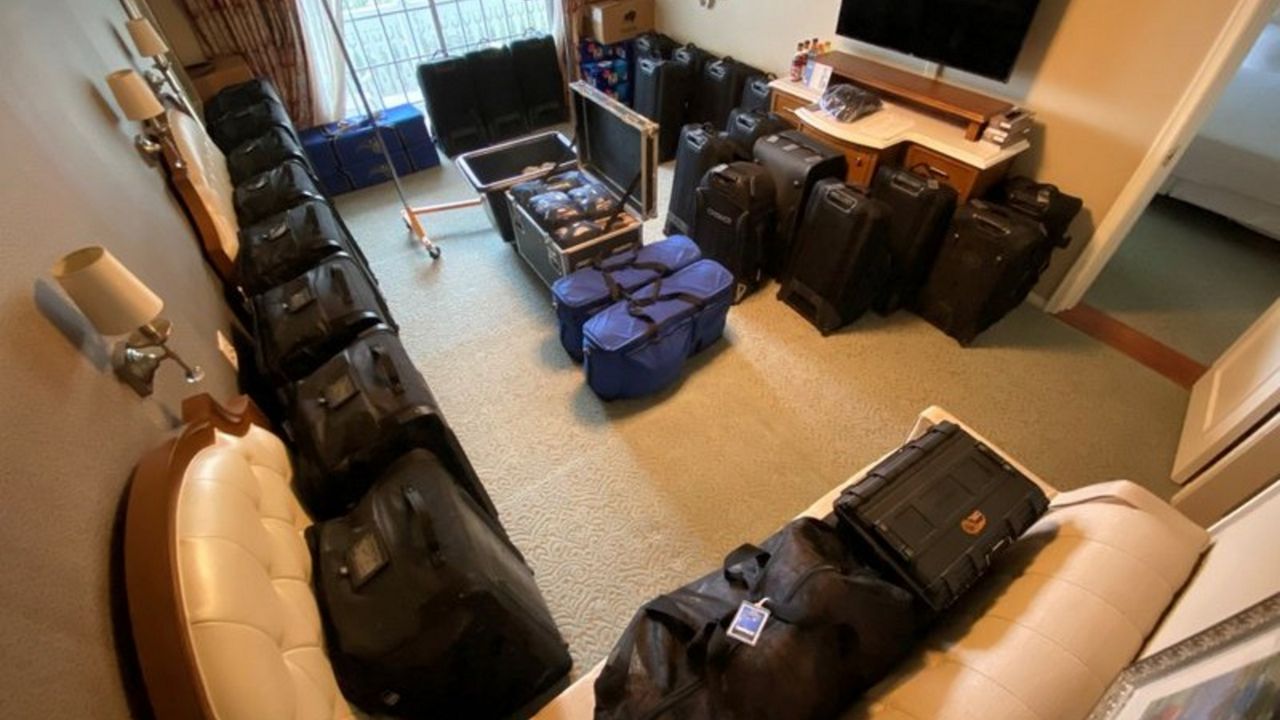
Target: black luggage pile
[803,624]
[493,94]
[404,523]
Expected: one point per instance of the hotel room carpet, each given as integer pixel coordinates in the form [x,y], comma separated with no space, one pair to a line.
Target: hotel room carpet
[613,503]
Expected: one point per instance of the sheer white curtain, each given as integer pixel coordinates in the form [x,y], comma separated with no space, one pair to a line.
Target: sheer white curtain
[325,64]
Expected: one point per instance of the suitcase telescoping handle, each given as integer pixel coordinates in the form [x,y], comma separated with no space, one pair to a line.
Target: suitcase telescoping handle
[383,362]
[844,200]
[420,518]
[990,217]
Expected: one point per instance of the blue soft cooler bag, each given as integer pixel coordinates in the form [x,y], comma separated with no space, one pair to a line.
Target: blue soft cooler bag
[637,347]
[581,294]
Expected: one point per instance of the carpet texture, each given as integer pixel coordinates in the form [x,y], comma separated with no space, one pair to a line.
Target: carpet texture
[615,503]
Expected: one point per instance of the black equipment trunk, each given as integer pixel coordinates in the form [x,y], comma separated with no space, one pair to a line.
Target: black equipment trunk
[498,93]
[662,92]
[694,58]
[275,191]
[921,209]
[757,96]
[719,91]
[797,162]
[654,45]
[542,87]
[735,220]
[701,148]
[938,510]
[428,613]
[842,258]
[746,127]
[450,94]
[990,260]
[284,246]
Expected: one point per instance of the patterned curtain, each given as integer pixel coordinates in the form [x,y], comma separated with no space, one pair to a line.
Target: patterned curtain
[268,33]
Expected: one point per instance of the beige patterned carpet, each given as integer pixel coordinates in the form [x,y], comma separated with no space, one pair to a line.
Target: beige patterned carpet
[614,503]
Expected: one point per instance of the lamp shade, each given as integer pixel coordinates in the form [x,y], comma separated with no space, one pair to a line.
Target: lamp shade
[113,299]
[134,95]
[145,37]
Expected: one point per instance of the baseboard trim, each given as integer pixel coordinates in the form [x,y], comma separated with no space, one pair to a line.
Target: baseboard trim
[1141,347]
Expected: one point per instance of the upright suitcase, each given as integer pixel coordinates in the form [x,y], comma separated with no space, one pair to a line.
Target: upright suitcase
[662,91]
[449,91]
[654,45]
[265,152]
[306,321]
[842,257]
[428,613]
[720,90]
[284,246]
[797,162]
[246,123]
[638,347]
[746,127]
[542,86]
[1044,203]
[701,148]
[938,510]
[498,93]
[735,221]
[695,59]
[990,260]
[580,295]
[274,191]
[920,211]
[357,414]
[757,96]
[240,95]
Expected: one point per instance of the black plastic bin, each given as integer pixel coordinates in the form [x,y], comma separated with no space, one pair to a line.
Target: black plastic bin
[494,170]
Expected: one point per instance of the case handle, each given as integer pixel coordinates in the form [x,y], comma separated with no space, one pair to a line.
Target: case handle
[388,369]
[340,282]
[842,199]
[420,516]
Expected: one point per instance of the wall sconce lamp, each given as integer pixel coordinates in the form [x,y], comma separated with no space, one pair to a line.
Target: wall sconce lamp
[139,103]
[118,303]
[149,44]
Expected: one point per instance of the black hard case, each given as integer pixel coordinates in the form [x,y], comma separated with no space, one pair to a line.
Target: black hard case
[746,127]
[735,221]
[662,92]
[757,96]
[719,91]
[238,96]
[938,510]
[921,209]
[248,122]
[265,152]
[449,91]
[990,260]
[654,45]
[301,324]
[842,257]
[287,185]
[498,93]
[284,246]
[701,148]
[357,414]
[537,68]
[618,148]
[694,58]
[1042,202]
[797,162]
[429,613]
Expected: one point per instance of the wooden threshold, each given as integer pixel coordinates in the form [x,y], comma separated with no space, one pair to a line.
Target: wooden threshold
[1137,345]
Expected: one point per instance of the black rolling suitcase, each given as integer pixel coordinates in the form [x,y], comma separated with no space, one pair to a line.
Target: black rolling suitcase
[719,91]
[427,612]
[701,148]
[746,127]
[265,152]
[359,412]
[498,93]
[240,95]
[1043,202]
[842,257]
[306,321]
[450,95]
[274,191]
[921,209]
[246,123]
[282,247]
[938,510]
[694,58]
[542,88]
[797,162]
[735,220]
[990,260]
[654,45]
[757,96]
[662,91]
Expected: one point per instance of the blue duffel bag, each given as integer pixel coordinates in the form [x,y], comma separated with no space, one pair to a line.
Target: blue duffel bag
[584,293]
[637,347]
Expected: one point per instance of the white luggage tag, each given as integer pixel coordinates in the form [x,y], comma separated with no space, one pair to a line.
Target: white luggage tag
[748,624]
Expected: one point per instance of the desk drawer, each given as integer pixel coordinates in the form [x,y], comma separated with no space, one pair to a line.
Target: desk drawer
[786,106]
[862,160]
[964,178]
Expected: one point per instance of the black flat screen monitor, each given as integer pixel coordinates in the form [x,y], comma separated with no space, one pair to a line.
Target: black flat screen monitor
[983,37]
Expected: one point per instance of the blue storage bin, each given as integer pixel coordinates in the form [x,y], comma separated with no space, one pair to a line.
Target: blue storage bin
[335,183]
[318,145]
[373,173]
[357,143]
[580,295]
[408,124]
[423,155]
[638,347]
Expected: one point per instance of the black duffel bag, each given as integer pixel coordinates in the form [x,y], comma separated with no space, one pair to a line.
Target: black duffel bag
[275,191]
[240,95]
[284,246]
[248,122]
[833,629]
[265,152]
[428,613]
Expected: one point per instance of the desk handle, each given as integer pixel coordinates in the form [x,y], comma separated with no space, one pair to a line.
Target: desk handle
[931,170]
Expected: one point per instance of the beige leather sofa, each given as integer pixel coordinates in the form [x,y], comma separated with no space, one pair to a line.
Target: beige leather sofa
[226,625]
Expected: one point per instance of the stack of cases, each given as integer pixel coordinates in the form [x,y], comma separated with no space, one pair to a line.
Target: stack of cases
[608,68]
[348,156]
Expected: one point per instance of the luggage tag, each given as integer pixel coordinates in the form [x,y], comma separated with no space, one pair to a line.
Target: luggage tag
[299,299]
[365,558]
[748,624]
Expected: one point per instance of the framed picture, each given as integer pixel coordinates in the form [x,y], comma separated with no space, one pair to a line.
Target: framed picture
[1229,672]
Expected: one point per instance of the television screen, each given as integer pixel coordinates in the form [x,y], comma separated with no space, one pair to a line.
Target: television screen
[983,37]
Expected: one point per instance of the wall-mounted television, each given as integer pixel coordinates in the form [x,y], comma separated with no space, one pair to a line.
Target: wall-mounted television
[982,37]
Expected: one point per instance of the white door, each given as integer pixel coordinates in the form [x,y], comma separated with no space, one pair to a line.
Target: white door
[1239,391]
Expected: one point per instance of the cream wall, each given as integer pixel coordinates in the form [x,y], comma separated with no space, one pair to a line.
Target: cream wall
[71,433]
[1102,75]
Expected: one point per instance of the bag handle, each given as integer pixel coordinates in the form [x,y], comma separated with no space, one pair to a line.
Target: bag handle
[387,367]
[420,517]
[340,282]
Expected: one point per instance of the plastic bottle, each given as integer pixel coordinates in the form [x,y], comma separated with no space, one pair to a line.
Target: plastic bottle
[810,58]
[798,61]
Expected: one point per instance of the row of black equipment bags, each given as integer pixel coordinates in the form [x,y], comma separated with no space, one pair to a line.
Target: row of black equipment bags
[429,609]
[804,623]
[493,94]
[838,251]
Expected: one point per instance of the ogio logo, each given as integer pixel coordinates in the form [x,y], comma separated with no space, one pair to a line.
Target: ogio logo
[975,523]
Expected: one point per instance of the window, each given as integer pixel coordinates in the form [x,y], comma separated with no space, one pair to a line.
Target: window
[388,39]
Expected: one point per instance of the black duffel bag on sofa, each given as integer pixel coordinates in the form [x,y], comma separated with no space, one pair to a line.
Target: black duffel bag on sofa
[797,628]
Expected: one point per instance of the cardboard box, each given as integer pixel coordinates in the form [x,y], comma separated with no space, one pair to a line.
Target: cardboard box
[620,20]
